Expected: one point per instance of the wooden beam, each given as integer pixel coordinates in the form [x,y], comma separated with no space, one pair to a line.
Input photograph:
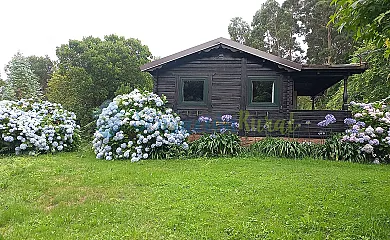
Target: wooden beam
[244,80]
[313,98]
[345,94]
[155,83]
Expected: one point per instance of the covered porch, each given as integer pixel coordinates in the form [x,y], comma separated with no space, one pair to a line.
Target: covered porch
[313,81]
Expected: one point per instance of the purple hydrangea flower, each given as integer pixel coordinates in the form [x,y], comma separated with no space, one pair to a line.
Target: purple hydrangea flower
[379,130]
[205,119]
[235,125]
[322,123]
[367,148]
[349,121]
[226,118]
[374,142]
[329,119]
[361,124]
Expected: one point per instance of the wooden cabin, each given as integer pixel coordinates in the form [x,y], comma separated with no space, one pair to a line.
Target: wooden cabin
[257,88]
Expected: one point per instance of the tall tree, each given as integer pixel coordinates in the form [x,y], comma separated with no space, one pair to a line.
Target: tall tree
[292,15]
[104,66]
[368,21]
[239,30]
[43,68]
[325,44]
[77,84]
[275,30]
[2,84]
[21,81]
[370,86]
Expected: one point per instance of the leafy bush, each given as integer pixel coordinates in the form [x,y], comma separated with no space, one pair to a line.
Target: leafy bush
[370,129]
[278,147]
[216,144]
[331,149]
[335,149]
[224,142]
[37,127]
[138,126]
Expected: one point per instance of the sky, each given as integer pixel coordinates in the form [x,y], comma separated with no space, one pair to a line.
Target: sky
[37,27]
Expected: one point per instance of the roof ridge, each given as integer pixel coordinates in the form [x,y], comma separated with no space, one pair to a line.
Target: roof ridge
[227,42]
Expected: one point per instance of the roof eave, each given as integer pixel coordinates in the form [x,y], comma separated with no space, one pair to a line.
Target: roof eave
[238,46]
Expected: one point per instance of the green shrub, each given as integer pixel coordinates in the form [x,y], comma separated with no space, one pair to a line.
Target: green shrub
[338,150]
[332,149]
[221,144]
[169,152]
[278,147]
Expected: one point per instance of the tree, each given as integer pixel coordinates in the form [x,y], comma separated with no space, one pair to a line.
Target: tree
[43,68]
[275,30]
[2,84]
[239,30]
[370,86]
[103,66]
[76,83]
[368,21]
[21,81]
[325,44]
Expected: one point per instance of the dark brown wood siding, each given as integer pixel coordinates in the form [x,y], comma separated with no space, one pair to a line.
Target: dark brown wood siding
[227,73]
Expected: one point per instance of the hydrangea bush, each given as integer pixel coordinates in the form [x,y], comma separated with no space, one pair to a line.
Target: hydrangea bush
[370,128]
[37,127]
[136,126]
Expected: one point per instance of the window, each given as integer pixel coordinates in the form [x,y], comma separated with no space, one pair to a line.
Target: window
[193,90]
[263,91]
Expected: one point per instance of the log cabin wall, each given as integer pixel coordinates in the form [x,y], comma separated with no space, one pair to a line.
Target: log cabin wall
[227,84]
[226,77]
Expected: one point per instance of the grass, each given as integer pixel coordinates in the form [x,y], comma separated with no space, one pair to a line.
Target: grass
[75,196]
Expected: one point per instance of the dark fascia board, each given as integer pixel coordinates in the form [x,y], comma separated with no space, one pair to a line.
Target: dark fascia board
[354,67]
[252,51]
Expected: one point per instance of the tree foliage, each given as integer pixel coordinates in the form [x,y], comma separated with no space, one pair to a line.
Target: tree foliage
[368,21]
[2,84]
[325,45]
[43,68]
[239,30]
[283,29]
[275,30]
[92,70]
[370,86]
[21,81]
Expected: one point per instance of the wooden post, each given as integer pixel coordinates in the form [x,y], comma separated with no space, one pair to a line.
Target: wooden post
[155,82]
[312,102]
[244,80]
[345,94]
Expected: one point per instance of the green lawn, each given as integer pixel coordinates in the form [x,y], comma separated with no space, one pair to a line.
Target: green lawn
[75,196]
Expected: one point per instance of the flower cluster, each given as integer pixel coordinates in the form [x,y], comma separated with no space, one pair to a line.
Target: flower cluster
[37,127]
[329,119]
[226,118]
[136,124]
[226,122]
[205,119]
[370,128]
